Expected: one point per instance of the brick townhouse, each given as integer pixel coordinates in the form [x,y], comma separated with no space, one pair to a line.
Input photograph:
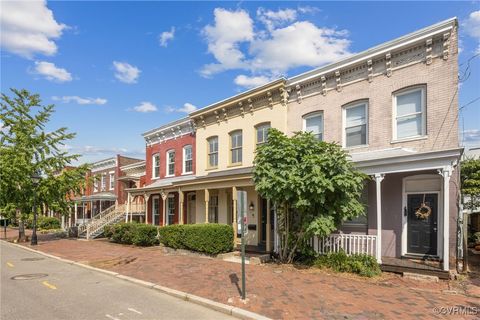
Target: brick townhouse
[394,109]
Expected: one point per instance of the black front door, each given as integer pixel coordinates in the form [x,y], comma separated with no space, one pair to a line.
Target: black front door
[422,224]
[263,222]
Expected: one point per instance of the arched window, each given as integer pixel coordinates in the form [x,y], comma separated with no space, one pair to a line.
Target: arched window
[313,122]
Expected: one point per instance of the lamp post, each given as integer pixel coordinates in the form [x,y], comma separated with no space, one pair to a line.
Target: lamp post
[35,181]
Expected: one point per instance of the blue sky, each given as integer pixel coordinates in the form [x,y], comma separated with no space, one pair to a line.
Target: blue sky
[117,69]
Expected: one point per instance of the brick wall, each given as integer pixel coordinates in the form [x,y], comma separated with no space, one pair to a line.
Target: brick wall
[161,149]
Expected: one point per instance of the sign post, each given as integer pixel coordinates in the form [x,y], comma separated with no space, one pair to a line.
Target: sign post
[242,209]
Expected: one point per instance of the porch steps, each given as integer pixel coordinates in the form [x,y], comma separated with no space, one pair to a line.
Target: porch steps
[402,269]
[95,227]
[250,258]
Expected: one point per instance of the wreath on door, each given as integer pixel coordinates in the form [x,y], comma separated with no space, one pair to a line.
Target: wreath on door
[424,211]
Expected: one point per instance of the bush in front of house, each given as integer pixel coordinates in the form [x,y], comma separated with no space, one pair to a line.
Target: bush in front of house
[362,264]
[123,232]
[211,238]
[48,223]
[145,235]
[108,231]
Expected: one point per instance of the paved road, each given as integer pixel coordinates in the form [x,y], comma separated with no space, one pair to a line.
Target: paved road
[70,292]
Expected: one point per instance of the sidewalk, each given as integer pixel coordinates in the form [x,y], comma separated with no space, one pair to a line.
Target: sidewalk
[280,292]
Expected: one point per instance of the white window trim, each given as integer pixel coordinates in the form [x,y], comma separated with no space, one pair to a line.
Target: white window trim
[184,160]
[110,175]
[312,115]
[153,165]
[422,88]
[344,123]
[103,183]
[209,166]
[231,135]
[167,207]
[167,162]
[257,127]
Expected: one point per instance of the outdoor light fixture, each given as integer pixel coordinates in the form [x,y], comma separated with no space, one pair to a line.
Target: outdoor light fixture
[35,181]
[251,207]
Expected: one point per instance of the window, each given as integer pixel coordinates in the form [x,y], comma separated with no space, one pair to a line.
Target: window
[112,181]
[361,221]
[171,209]
[171,163]
[95,184]
[104,182]
[262,133]
[213,209]
[236,147]
[187,159]
[155,166]
[409,112]
[156,210]
[355,119]
[212,152]
[314,123]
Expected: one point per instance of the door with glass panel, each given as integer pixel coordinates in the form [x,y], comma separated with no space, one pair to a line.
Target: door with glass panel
[156,210]
[171,209]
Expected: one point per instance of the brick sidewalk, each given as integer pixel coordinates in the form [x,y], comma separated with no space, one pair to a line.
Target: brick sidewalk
[280,292]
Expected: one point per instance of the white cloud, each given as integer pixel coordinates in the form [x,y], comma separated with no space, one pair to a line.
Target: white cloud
[187,108]
[284,43]
[126,72]
[145,107]
[166,36]
[51,72]
[471,135]
[272,19]
[29,28]
[472,27]
[230,29]
[299,44]
[79,100]
[250,82]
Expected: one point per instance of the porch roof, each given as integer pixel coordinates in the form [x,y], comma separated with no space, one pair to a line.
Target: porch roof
[404,159]
[98,196]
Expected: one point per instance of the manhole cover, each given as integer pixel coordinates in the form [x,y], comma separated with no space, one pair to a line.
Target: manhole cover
[32,259]
[29,276]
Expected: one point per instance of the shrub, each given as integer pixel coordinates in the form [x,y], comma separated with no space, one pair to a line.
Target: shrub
[145,235]
[362,264]
[47,223]
[123,233]
[108,231]
[476,237]
[209,238]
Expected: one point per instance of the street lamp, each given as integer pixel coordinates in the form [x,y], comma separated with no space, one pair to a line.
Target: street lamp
[35,181]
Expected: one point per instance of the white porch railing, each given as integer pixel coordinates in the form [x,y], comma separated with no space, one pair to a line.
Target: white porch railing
[349,243]
[137,208]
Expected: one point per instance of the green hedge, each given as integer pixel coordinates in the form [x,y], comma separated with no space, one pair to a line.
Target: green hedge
[47,223]
[209,238]
[132,233]
[362,264]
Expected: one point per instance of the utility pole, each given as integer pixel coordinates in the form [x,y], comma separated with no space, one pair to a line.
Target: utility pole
[242,208]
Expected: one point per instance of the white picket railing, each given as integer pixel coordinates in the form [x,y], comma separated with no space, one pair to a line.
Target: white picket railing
[349,243]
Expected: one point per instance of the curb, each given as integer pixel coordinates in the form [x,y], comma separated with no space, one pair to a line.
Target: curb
[213,305]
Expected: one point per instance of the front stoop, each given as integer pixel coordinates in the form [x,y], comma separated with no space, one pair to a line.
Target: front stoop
[421,277]
[236,257]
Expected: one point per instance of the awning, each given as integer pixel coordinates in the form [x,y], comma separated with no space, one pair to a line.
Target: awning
[103,196]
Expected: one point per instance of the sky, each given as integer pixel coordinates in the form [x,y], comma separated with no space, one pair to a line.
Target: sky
[117,69]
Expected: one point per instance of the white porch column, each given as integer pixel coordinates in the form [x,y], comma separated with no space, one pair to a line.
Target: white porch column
[145,199]
[446,174]
[100,206]
[127,207]
[378,183]
[180,204]
[164,208]
[76,213]
[207,198]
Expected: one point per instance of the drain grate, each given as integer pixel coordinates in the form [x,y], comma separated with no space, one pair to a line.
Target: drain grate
[29,276]
[32,259]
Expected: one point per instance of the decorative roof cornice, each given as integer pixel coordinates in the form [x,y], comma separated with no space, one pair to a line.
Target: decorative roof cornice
[424,37]
[171,130]
[104,164]
[241,104]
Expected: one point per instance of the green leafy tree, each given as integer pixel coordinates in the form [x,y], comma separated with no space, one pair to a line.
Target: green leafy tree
[28,148]
[313,185]
[470,179]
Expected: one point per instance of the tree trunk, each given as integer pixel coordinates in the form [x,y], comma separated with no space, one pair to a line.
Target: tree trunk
[21,230]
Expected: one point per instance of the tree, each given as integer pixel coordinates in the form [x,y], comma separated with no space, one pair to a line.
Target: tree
[27,148]
[470,180]
[313,185]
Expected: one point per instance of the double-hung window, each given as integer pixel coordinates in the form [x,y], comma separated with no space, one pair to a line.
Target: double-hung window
[187,159]
[95,184]
[236,144]
[171,209]
[155,166]
[104,182]
[213,209]
[409,113]
[356,124]
[314,123]
[112,181]
[262,133]
[171,163]
[212,152]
